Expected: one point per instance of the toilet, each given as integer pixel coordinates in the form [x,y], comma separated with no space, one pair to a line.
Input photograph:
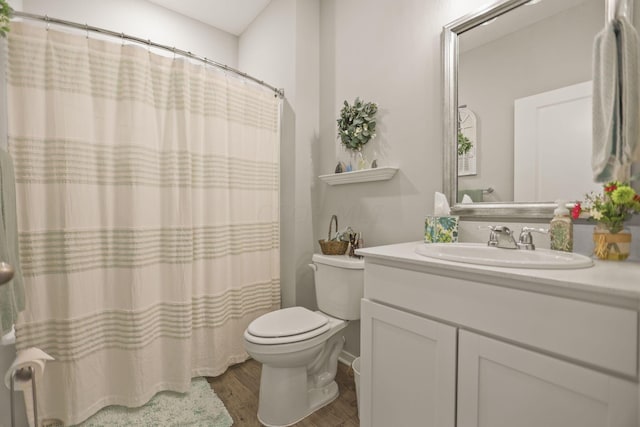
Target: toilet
[299,348]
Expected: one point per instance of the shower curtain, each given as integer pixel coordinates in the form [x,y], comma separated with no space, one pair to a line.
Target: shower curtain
[148,211]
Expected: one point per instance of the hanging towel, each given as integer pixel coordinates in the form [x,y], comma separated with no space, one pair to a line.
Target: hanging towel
[615,101]
[11,293]
[477,195]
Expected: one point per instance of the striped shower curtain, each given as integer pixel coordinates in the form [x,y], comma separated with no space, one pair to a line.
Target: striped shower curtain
[148,211]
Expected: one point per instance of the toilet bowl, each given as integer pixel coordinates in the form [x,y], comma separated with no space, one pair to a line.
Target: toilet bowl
[299,348]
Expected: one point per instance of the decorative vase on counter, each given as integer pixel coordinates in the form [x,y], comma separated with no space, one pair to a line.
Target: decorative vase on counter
[611,246]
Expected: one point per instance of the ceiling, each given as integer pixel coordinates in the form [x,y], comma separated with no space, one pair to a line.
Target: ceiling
[232,16]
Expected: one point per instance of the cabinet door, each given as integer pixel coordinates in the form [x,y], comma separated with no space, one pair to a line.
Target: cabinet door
[501,385]
[407,369]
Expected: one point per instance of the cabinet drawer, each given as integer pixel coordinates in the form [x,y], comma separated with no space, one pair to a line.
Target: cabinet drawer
[598,335]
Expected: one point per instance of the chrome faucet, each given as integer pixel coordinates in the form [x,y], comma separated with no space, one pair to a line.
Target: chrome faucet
[502,237]
[526,241]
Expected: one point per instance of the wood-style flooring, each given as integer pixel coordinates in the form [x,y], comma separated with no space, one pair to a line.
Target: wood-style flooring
[238,388]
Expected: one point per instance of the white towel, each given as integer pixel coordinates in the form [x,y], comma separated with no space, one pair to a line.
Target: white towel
[616,111]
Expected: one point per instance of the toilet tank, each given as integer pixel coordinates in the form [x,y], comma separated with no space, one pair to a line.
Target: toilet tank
[339,285]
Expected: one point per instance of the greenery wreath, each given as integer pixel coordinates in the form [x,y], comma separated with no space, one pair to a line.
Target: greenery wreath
[357,124]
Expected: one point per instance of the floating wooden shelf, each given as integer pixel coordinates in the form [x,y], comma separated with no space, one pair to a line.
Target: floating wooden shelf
[364,175]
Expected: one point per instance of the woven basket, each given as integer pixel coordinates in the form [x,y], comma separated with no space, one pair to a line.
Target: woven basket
[333,247]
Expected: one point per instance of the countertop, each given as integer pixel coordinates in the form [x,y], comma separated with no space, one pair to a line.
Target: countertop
[615,282]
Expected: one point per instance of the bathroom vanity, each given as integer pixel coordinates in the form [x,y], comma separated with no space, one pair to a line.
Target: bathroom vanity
[452,344]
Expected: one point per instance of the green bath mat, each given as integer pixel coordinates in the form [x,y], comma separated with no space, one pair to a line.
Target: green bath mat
[199,407]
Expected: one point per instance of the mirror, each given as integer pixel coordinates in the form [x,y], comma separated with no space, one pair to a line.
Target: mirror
[517,106]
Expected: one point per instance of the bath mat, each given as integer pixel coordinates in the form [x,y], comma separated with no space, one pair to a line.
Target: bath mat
[199,407]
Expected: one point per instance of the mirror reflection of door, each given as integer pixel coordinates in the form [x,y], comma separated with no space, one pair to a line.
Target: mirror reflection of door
[551,131]
[527,51]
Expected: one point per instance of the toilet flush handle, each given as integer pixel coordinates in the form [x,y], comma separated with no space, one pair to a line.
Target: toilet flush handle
[313,267]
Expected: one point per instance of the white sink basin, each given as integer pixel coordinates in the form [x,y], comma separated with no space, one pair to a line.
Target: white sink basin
[480,253]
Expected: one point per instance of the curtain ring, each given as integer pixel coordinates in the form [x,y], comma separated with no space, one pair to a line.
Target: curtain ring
[86,28]
[122,38]
[174,52]
[149,45]
[46,19]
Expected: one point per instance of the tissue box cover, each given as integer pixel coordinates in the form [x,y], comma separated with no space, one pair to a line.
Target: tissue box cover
[441,229]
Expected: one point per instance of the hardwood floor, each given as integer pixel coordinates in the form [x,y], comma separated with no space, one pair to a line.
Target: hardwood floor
[238,388]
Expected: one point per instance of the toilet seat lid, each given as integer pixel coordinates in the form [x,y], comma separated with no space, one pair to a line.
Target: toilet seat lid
[286,322]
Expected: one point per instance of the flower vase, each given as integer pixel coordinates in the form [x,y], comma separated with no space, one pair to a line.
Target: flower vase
[611,246]
[361,161]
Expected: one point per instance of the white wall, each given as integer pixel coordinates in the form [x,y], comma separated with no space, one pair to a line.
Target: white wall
[281,46]
[388,52]
[267,47]
[146,20]
[307,100]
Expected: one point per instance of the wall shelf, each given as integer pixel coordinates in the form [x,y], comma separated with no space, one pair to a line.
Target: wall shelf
[364,175]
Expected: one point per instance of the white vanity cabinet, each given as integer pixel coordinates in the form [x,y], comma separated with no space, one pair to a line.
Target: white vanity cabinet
[447,344]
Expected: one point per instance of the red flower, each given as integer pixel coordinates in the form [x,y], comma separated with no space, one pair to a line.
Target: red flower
[575,212]
[610,188]
[636,198]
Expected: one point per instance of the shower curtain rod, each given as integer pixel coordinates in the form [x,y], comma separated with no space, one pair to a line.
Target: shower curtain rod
[278,91]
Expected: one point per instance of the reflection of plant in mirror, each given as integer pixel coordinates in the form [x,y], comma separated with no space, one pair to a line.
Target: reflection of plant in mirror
[357,124]
[464,145]
[5,17]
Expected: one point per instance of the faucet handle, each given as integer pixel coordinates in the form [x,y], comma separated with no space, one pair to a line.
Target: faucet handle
[526,240]
[530,230]
[499,229]
[493,237]
[495,231]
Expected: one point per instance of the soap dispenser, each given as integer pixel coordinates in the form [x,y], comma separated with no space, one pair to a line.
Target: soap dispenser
[561,228]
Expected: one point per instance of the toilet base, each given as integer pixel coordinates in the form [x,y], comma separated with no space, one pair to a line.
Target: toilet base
[297,378]
[284,408]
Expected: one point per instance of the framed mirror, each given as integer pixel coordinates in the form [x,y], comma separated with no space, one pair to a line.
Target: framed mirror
[517,106]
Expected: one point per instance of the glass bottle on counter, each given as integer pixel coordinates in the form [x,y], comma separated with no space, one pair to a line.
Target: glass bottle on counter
[561,228]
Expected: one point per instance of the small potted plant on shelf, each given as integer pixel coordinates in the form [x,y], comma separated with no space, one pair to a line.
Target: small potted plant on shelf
[610,210]
[357,126]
